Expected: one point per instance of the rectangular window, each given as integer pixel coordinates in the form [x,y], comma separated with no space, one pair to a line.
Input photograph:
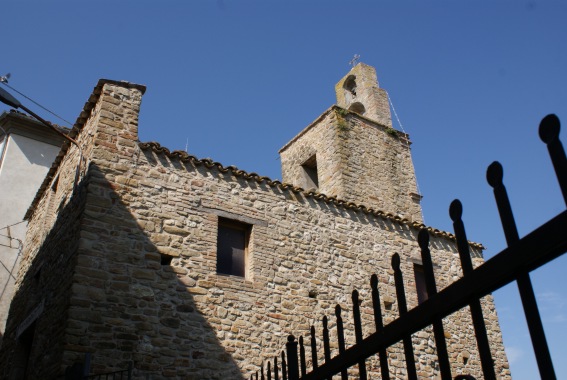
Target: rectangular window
[310,175]
[232,247]
[420,287]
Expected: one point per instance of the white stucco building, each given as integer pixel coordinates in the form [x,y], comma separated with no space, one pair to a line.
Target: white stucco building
[27,150]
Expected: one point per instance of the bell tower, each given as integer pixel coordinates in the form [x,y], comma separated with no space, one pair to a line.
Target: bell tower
[359,92]
[352,152]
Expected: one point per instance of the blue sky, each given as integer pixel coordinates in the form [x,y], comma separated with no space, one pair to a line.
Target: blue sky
[236,80]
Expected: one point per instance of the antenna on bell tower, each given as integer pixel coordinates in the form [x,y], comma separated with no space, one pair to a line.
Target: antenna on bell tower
[354,60]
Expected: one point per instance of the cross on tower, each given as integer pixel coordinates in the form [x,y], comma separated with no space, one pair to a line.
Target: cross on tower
[354,60]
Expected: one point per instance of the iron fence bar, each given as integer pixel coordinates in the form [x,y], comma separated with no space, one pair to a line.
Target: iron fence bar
[431,287]
[402,310]
[549,129]
[483,345]
[549,241]
[269,371]
[379,325]
[291,348]
[341,338]
[276,374]
[494,176]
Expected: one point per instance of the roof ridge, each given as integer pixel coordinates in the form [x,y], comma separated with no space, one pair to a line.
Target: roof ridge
[209,163]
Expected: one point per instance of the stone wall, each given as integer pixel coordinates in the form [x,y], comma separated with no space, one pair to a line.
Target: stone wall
[358,161]
[301,246]
[181,319]
[42,308]
[319,139]
[360,92]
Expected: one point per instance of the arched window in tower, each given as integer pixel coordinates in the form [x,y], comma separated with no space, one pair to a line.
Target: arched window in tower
[350,85]
[358,108]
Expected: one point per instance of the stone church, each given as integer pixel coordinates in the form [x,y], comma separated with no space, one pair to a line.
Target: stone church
[192,270]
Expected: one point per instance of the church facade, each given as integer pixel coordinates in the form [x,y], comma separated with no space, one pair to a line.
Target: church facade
[193,270]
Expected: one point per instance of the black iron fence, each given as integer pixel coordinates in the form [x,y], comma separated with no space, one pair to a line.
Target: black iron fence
[514,263]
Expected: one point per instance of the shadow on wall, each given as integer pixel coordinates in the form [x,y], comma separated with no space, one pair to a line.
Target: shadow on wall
[98,285]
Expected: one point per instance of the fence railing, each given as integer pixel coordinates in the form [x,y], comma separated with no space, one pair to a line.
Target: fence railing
[514,263]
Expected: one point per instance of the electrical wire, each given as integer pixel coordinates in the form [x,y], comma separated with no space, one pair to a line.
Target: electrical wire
[8,246]
[5,83]
[407,141]
[11,225]
[11,271]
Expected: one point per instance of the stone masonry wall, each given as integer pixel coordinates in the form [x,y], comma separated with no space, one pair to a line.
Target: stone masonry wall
[182,320]
[48,275]
[42,289]
[320,139]
[367,92]
[358,161]
[383,156]
[41,303]
[298,246]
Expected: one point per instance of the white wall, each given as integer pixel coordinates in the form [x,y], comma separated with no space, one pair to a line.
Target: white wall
[25,165]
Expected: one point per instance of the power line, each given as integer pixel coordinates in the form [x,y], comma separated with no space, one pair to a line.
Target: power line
[5,83]
[8,246]
[407,141]
[11,225]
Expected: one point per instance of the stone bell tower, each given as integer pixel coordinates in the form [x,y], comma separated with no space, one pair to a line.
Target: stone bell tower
[352,152]
[359,92]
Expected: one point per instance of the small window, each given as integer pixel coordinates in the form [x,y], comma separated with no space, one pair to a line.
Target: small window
[232,247]
[310,175]
[420,287]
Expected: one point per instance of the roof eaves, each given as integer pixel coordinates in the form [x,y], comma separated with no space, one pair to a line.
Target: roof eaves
[210,164]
